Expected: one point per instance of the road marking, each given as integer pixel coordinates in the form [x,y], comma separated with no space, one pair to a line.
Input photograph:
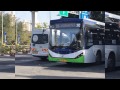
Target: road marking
[23,56]
[6,59]
[26,60]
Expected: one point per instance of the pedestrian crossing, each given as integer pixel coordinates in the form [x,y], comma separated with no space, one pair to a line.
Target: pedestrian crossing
[7,63]
[23,56]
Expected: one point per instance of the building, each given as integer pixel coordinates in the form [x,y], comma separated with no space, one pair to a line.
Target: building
[26,25]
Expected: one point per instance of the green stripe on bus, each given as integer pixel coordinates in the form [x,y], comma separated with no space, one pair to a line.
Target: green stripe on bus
[72,60]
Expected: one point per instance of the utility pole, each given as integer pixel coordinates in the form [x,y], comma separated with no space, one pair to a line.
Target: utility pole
[33,14]
[33,19]
[50,15]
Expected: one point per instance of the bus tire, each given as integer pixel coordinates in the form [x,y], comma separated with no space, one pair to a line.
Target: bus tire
[111,62]
[98,57]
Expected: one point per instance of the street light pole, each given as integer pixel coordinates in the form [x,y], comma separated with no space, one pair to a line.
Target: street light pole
[2,27]
[50,15]
[16,31]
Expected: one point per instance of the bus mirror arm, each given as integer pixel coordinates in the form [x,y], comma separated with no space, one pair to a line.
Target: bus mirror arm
[44,31]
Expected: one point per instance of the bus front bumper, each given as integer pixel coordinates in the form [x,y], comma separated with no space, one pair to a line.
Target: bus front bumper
[72,60]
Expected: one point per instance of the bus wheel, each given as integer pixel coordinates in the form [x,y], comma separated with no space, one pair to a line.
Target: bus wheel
[111,63]
[98,58]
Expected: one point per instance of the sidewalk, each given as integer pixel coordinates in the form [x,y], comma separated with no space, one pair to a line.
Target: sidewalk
[6,56]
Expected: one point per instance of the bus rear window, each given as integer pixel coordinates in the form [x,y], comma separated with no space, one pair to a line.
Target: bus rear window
[40,38]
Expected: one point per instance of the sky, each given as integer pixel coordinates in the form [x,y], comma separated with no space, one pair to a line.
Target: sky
[43,16]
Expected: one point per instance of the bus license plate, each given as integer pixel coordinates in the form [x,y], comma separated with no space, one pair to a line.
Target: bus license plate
[45,50]
[35,52]
[63,60]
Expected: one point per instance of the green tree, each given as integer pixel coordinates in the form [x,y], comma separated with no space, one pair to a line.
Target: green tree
[45,25]
[9,27]
[39,26]
[19,27]
[25,37]
[0,26]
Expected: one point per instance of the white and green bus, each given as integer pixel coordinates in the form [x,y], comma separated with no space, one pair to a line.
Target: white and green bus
[112,41]
[74,40]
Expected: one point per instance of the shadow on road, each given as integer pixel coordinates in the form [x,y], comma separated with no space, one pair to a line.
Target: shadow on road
[116,69]
[30,61]
[20,61]
[78,68]
[65,67]
[27,57]
[50,77]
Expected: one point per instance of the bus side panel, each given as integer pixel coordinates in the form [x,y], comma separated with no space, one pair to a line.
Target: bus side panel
[103,53]
[118,55]
[106,55]
[89,55]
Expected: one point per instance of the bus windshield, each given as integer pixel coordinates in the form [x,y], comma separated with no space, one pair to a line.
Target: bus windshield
[66,38]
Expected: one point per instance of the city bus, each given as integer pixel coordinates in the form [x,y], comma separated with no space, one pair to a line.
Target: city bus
[39,43]
[74,40]
[112,41]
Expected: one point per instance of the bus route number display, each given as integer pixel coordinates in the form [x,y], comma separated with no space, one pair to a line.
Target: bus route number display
[66,25]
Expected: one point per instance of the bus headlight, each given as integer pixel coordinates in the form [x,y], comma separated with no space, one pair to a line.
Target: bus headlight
[79,55]
[35,38]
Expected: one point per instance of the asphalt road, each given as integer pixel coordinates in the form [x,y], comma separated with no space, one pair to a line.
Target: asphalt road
[28,67]
[7,67]
[113,74]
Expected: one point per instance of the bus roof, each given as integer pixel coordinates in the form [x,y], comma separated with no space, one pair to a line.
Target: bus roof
[91,21]
[112,15]
[66,20]
[76,20]
[39,31]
